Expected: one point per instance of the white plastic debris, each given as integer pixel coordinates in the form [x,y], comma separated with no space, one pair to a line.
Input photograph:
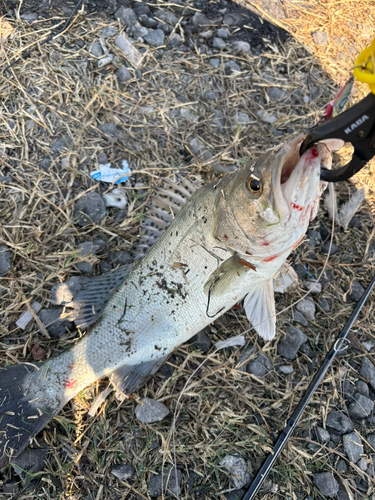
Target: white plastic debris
[130,52]
[116,198]
[112,175]
[26,317]
[266,117]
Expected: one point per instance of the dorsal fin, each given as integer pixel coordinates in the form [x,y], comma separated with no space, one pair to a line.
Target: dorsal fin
[166,204]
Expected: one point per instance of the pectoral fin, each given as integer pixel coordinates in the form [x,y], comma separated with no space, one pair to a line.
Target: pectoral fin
[285,277]
[225,276]
[260,310]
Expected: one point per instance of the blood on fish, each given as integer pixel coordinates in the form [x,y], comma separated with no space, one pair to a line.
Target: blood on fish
[69,384]
[297,207]
[270,259]
[314,152]
[265,244]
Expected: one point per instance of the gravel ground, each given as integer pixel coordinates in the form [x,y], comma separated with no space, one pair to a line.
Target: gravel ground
[197,87]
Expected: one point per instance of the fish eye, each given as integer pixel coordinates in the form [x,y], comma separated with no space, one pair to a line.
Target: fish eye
[253,184]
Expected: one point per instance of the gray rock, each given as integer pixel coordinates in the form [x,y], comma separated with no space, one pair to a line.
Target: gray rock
[276,94]
[215,63]
[123,472]
[231,67]
[286,369]
[121,214]
[362,464]
[188,115]
[89,209]
[149,22]
[121,258]
[348,390]
[141,8]
[290,344]
[322,434]
[11,489]
[88,248]
[63,142]
[242,118]
[341,466]
[155,38]
[297,316]
[232,19]
[367,371]
[259,366]
[362,388]
[30,461]
[109,31]
[326,484]
[307,308]
[320,38]
[6,179]
[371,440]
[237,470]
[218,121]
[313,286]
[353,446]
[361,407]
[314,238]
[165,481]
[56,327]
[356,291]
[339,422]
[202,340]
[29,17]
[334,248]
[102,159]
[123,75]
[199,22]
[324,304]
[222,33]
[126,16]
[166,16]
[240,47]
[6,259]
[95,49]
[149,411]
[218,43]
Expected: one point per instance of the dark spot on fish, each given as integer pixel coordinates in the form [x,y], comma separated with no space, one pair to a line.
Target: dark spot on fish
[225,237]
[157,348]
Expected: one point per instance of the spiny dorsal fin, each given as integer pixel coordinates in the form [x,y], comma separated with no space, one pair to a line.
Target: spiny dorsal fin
[166,204]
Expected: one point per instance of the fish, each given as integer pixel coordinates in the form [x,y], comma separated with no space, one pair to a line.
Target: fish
[201,251]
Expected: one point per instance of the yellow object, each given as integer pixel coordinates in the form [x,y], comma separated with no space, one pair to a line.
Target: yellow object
[364,69]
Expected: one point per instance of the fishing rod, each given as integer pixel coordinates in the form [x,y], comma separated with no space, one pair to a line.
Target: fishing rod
[340,345]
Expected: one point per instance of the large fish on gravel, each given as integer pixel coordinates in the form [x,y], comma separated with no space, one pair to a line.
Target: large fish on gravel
[220,243]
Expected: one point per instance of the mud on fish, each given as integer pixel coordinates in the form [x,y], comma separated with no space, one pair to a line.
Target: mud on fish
[201,251]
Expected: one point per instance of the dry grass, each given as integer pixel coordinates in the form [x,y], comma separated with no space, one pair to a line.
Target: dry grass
[60,91]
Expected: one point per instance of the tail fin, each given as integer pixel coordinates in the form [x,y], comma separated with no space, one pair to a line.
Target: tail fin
[21,418]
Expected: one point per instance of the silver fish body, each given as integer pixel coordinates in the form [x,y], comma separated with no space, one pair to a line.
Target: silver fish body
[228,241]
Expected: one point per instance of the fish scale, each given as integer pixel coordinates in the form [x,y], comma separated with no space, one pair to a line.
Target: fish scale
[223,245]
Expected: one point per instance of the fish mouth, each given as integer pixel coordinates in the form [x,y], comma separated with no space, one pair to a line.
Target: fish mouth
[297,178]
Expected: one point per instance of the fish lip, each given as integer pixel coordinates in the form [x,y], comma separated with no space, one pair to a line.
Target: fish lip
[287,160]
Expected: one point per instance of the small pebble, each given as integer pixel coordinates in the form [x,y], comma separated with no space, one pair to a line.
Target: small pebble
[266,116]
[362,388]
[109,31]
[286,369]
[6,259]
[165,480]
[29,17]
[276,94]
[149,411]
[242,118]
[341,466]
[314,287]
[123,472]
[353,446]
[239,47]
[215,63]
[166,16]
[116,198]
[155,38]
[202,340]
[367,371]
[290,344]
[361,407]
[339,422]
[126,16]
[222,33]
[56,327]
[362,464]
[297,316]
[322,434]
[259,366]
[326,484]
[63,142]
[95,49]
[324,304]
[89,209]
[320,38]
[231,67]
[218,43]
[307,308]
[355,292]
[237,470]
[334,248]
